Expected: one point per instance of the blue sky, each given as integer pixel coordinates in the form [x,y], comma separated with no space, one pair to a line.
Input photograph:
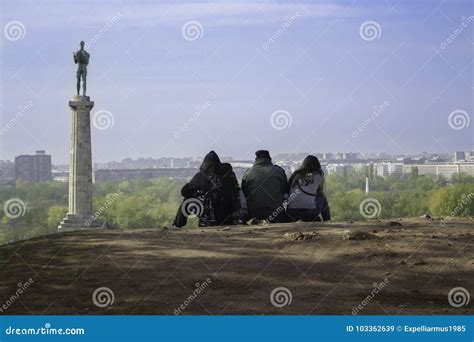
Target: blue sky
[309,62]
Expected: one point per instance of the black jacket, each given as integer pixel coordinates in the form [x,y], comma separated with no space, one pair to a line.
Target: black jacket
[218,181]
[264,185]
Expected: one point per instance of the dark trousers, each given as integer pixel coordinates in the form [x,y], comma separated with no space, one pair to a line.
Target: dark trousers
[276,215]
[180,219]
[222,217]
[310,215]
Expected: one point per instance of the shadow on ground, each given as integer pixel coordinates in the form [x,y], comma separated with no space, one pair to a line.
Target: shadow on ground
[327,268]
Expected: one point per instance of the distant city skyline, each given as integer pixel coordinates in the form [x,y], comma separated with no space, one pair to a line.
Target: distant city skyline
[236,76]
[251,156]
[38,167]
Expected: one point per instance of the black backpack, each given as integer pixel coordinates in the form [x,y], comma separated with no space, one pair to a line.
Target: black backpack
[224,194]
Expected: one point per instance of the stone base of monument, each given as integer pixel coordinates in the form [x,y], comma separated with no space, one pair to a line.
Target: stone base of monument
[80,214]
[74,222]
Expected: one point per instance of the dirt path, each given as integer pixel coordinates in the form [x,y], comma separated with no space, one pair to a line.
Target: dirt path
[325,268]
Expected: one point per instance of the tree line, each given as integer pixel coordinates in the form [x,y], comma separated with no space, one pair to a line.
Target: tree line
[153,203]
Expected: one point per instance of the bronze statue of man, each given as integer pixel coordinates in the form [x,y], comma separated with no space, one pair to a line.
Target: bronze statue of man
[81,58]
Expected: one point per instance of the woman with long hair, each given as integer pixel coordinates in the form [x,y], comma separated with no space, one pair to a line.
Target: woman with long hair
[307,200]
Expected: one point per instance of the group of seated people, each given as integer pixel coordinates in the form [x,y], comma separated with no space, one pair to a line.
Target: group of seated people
[266,194]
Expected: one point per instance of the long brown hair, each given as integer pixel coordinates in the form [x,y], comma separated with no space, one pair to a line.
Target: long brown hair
[305,174]
[311,165]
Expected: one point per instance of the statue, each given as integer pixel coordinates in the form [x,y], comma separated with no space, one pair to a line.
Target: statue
[81,58]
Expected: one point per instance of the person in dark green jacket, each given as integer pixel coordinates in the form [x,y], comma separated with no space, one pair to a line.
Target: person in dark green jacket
[265,187]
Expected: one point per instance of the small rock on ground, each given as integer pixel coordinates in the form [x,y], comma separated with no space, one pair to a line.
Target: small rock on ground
[357,235]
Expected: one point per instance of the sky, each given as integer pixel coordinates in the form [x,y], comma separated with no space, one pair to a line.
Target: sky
[172,78]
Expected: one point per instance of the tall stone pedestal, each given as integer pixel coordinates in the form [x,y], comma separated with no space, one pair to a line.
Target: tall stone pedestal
[80,215]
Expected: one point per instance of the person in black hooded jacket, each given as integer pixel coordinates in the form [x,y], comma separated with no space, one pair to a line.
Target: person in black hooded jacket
[212,195]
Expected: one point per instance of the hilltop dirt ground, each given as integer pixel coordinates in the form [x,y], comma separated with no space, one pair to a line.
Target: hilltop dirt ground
[329,268]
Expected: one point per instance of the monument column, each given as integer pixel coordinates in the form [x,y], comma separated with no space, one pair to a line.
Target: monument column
[80,215]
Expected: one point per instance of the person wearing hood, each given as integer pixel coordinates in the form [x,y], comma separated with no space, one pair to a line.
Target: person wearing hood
[212,195]
[265,187]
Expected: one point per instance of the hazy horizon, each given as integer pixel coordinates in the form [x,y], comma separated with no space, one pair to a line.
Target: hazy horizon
[180,79]
[249,157]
